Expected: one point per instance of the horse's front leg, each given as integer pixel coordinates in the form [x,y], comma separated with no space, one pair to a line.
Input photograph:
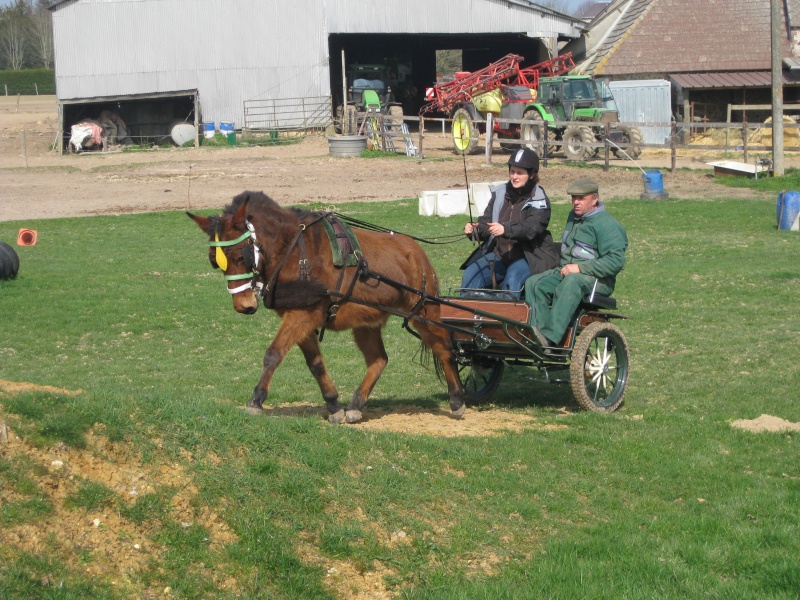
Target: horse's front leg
[295,327]
[313,356]
[370,342]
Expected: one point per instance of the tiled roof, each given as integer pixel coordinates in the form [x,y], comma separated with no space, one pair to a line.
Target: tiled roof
[748,79]
[667,36]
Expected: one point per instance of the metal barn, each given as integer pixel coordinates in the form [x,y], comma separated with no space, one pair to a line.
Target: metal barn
[157,62]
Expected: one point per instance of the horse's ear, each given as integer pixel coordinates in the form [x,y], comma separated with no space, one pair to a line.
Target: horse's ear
[240,215]
[203,223]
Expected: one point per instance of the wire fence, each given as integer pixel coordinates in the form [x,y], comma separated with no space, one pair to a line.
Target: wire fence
[34,89]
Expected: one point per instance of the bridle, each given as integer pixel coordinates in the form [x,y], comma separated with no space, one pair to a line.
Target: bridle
[251,254]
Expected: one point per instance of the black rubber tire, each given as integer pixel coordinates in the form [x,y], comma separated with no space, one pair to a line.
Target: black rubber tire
[578,135]
[465,132]
[599,368]
[630,135]
[9,261]
[535,131]
[480,379]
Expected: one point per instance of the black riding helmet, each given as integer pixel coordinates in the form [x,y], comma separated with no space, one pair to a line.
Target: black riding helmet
[525,158]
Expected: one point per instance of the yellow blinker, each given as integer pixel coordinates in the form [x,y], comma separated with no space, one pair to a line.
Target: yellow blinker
[222,260]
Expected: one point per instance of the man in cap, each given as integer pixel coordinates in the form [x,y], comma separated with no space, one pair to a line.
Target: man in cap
[593,249]
[513,230]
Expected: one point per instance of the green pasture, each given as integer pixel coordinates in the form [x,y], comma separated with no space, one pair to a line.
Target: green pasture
[663,499]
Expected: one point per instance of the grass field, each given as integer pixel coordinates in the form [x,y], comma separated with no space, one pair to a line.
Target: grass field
[663,499]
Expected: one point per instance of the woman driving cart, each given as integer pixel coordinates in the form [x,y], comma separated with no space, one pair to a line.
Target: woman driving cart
[515,241]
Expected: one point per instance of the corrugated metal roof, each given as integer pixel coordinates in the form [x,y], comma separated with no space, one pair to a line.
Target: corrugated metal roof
[745,79]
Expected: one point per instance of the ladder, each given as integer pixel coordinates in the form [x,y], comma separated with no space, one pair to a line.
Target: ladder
[378,129]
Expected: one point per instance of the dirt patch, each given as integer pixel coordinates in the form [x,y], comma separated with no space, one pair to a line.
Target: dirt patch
[38,183]
[422,421]
[766,423]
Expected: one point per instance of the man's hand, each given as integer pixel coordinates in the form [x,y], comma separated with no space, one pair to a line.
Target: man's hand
[570,269]
[469,228]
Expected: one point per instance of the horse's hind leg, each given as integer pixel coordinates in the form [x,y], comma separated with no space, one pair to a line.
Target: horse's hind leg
[311,351]
[370,342]
[438,341]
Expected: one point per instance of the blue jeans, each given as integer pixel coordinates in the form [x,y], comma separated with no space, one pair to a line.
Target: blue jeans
[509,277]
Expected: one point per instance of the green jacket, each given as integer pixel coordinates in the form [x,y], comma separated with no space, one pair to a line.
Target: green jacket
[596,243]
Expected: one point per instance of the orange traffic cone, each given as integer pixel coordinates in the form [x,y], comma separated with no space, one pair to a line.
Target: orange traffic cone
[26,237]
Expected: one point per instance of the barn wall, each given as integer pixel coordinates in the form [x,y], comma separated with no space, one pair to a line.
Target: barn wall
[248,49]
[445,16]
[229,51]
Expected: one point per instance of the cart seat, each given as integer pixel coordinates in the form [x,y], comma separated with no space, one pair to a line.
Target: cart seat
[600,301]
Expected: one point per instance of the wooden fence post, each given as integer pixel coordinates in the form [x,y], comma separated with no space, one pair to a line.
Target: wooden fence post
[421,136]
[606,144]
[744,140]
[673,146]
[489,128]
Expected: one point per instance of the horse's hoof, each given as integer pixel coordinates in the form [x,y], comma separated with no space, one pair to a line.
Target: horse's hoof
[336,417]
[353,416]
[254,410]
[459,412]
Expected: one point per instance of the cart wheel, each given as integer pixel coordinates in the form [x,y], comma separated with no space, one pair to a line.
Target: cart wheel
[599,369]
[480,379]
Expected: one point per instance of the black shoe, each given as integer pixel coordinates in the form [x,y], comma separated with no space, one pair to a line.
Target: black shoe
[541,339]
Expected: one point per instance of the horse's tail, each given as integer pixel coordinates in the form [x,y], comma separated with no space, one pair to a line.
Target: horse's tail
[425,358]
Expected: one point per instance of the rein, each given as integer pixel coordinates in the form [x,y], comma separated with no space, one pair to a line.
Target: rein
[372,227]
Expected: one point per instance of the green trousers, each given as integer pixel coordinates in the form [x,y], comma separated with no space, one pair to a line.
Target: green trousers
[554,299]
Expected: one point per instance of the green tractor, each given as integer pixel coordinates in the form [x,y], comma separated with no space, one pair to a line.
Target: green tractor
[577,98]
[368,90]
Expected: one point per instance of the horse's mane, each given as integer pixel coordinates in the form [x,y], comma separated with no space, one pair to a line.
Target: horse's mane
[260,202]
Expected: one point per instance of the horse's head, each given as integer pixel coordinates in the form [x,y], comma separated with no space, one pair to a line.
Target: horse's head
[234,249]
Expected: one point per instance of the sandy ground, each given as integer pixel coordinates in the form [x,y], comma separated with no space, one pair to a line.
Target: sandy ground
[39,183]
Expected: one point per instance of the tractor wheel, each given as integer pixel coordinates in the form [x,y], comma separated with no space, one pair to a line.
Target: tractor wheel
[480,379]
[630,135]
[345,123]
[575,140]
[599,368]
[465,132]
[534,131]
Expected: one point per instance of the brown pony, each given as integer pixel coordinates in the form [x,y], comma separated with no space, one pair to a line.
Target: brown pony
[287,257]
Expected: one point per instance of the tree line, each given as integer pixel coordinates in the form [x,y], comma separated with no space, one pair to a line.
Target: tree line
[26,35]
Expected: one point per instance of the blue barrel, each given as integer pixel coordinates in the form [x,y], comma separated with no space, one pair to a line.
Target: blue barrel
[788,208]
[653,183]
[226,129]
[208,130]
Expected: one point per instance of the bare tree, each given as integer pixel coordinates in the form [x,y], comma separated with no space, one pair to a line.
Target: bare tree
[13,40]
[42,33]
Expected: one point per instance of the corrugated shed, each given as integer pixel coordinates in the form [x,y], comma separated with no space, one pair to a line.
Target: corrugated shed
[445,17]
[236,51]
[645,101]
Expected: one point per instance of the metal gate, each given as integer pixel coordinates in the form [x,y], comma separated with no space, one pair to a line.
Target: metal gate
[288,114]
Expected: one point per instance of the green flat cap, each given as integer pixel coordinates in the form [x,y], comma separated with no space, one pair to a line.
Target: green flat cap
[583,186]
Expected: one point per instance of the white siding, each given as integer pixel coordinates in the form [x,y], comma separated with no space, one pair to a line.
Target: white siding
[232,51]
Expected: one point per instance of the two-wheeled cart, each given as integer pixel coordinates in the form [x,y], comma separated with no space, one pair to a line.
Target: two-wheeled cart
[489,333]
